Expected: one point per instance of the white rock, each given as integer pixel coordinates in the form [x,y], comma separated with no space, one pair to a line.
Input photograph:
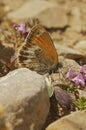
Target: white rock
[24,96]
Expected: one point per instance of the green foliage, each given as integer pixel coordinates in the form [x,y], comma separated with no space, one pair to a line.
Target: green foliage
[63,86]
[69,88]
[72,89]
[50,91]
[49,86]
[81,103]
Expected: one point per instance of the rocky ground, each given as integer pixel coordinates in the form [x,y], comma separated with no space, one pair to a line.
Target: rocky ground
[25,101]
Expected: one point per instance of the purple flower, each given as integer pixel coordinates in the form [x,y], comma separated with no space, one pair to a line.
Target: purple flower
[20,28]
[79,80]
[84,77]
[70,74]
[83,69]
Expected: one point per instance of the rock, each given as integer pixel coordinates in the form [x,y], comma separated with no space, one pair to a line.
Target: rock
[30,9]
[13,5]
[4,125]
[63,98]
[75,20]
[24,97]
[68,52]
[2,10]
[69,63]
[54,17]
[70,37]
[6,53]
[75,121]
[77,17]
[81,46]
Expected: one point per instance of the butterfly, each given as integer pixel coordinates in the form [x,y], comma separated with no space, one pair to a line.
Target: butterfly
[38,52]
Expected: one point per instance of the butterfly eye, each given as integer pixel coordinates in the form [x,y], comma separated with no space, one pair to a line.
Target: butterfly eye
[38,51]
[37,33]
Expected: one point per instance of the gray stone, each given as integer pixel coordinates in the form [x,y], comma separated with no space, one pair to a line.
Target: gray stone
[24,96]
[75,121]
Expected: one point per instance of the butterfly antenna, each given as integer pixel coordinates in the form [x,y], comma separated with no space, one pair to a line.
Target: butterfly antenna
[36,21]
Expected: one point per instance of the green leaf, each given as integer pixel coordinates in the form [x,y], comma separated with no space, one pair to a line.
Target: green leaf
[49,86]
[81,103]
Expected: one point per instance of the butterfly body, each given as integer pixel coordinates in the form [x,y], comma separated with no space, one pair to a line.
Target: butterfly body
[38,52]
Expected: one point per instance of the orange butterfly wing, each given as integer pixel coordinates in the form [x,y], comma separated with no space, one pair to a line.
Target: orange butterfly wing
[38,52]
[44,41]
